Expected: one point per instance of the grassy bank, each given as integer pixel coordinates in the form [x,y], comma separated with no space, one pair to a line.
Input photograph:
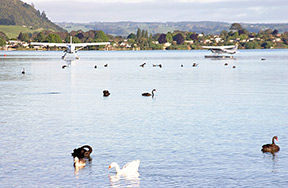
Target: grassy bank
[13,31]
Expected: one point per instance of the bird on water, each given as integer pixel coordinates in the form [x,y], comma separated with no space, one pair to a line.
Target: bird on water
[272,148]
[149,94]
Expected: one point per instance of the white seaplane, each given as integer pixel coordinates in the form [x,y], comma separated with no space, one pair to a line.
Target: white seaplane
[216,50]
[71,48]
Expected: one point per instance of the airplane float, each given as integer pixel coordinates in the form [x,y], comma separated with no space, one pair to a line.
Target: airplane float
[70,47]
[216,50]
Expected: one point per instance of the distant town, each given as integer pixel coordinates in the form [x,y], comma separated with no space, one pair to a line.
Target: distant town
[142,40]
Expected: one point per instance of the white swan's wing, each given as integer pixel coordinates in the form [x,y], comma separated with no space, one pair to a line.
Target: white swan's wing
[131,167]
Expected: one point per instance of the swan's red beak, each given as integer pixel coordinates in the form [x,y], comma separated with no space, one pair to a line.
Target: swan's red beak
[109,167]
[277,139]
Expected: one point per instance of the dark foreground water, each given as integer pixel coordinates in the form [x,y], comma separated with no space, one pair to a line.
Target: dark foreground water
[204,128]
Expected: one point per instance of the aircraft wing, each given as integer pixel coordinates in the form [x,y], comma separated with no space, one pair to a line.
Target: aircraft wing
[218,47]
[90,44]
[48,44]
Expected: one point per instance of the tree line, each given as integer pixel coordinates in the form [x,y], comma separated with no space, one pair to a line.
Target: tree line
[177,40]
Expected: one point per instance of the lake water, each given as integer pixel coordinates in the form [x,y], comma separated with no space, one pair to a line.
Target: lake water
[204,127]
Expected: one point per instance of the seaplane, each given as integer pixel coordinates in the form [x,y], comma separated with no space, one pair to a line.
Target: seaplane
[71,48]
[216,50]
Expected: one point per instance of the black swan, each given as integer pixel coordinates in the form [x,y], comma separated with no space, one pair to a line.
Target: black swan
[149,94]
[194,64]
[106,93]
[142,65]
[82,152]
[271,147]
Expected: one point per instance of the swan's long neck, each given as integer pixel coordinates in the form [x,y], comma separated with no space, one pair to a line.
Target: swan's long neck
[117,168]
[152,93]
[273,140]
[89,148]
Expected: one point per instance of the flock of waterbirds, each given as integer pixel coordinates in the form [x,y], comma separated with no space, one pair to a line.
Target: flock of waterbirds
[82,154]
[153,65]
[131,168]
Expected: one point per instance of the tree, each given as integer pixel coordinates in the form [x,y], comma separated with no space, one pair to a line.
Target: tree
[100,36]
[243,36]
[2,42]
[23,37]
[80,36]
[235,27]
[132,36]
[267,45]
[75,39]
[146,34]
[3,36]
[40,37]
[162,39]
[53,38]
[169,37]
[179,38]
[194,36]
[139,34]
[275,32]
[243,31]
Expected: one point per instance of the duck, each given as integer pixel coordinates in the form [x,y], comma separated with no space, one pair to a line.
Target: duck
[130,169]
[106,65]
[23,71]
[79,163]
[272,148]
[95,67]
[106,93]
[149,94]
[64,66]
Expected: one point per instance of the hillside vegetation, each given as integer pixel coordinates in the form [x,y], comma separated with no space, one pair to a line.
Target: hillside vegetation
[18,13]
[207,27]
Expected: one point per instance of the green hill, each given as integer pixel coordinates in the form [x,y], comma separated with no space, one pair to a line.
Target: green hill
[18,13]
[207,27]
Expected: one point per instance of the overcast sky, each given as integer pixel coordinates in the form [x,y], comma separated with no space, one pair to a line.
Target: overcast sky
[84,11]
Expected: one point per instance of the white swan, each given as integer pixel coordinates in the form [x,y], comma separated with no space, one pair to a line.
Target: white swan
[130,169]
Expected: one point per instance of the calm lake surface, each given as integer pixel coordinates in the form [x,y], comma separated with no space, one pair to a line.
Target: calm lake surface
[204,128]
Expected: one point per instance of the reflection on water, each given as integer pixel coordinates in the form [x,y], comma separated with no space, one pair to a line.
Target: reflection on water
[128,181]
[69,62]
